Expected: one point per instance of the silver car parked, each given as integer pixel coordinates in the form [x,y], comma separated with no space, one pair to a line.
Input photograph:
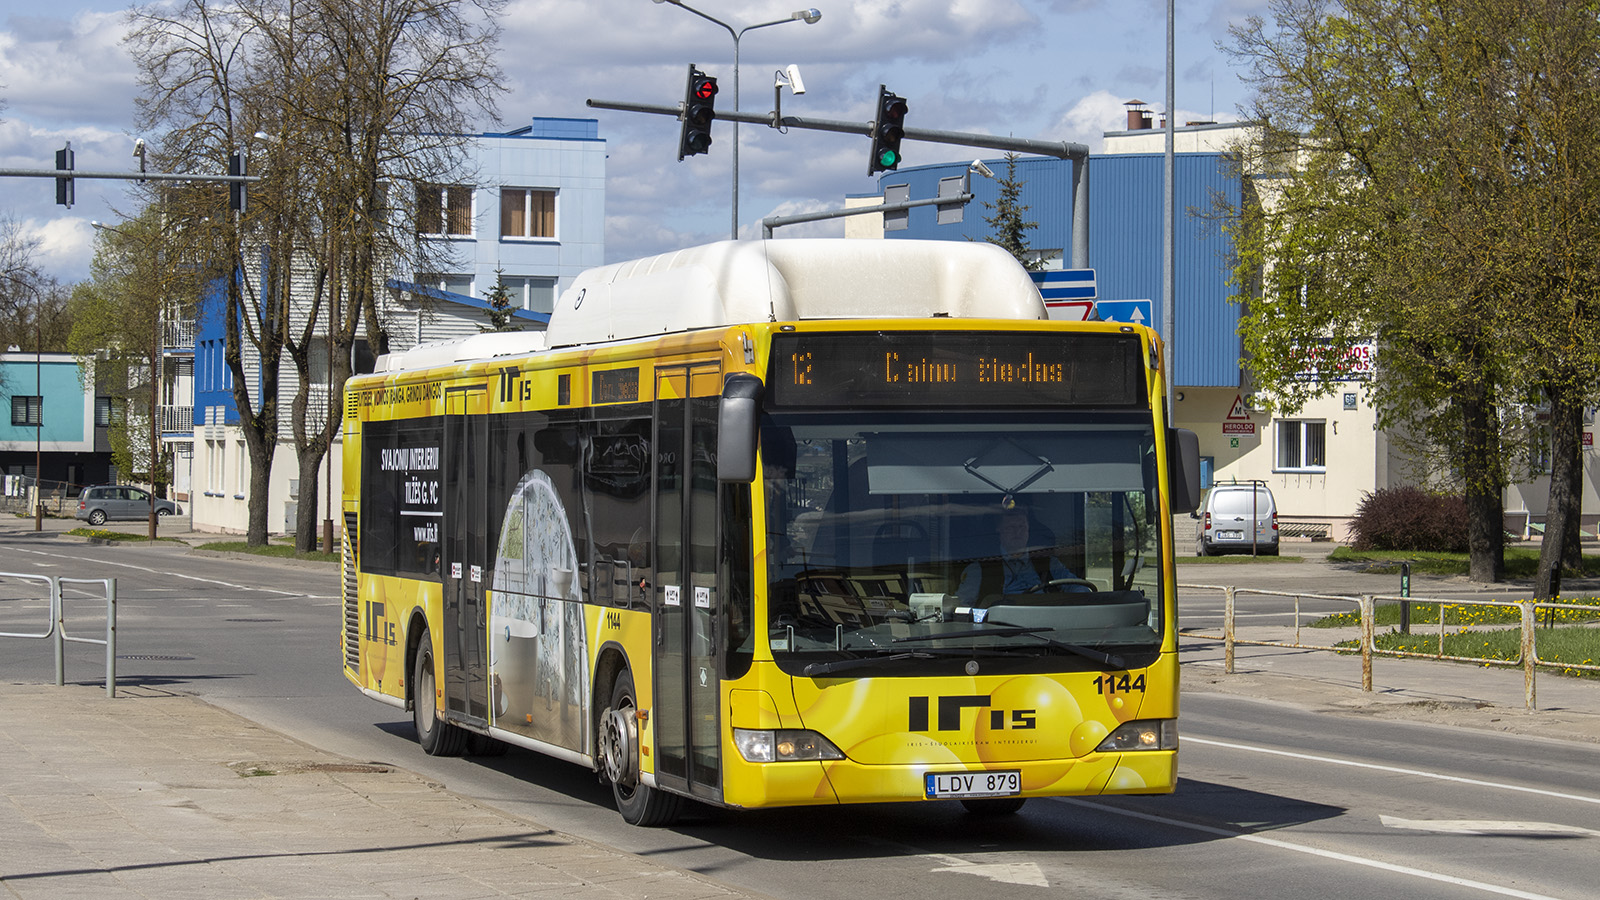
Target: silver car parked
[104,502]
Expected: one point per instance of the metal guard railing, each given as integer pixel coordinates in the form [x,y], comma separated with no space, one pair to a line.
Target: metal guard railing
[1366,605]
[56,627]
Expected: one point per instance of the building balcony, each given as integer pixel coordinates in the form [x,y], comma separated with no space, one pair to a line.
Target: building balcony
[177,419]
[178,335]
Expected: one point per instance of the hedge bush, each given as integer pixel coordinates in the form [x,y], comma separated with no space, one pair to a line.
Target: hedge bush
[1409,518]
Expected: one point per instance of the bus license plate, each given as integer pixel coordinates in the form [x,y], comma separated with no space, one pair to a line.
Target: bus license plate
[940,785]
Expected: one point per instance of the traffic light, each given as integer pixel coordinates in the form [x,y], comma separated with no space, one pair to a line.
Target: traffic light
[237,198]
[699,109]
[64,185]
[887,130]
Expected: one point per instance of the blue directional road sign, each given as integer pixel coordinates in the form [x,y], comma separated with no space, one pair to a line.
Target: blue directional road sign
[1135,312]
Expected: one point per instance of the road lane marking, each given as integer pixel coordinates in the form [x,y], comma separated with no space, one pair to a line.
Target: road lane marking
[195,578]
[1393,769]
[1026,874]
[1313,851]
[1488,827]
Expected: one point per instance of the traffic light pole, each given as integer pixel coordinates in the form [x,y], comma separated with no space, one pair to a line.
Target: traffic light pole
[1078,153]
[123,176]
[771,222]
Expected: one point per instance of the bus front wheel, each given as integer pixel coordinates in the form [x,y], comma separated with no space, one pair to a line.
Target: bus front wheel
[437,737]
[639,803]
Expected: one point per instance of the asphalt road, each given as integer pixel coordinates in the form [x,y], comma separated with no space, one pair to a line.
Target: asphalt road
[1275,801]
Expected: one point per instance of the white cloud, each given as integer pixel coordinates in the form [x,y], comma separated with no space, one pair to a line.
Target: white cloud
[65,73]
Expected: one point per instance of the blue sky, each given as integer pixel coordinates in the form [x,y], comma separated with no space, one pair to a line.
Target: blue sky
[1048,69]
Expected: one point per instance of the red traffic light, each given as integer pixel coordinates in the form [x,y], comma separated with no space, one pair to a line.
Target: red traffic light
[706,89]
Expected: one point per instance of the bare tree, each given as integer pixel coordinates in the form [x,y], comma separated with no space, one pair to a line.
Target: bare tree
[350,105]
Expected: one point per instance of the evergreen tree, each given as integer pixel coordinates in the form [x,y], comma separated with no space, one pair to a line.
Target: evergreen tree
[500,309]
[1010,229]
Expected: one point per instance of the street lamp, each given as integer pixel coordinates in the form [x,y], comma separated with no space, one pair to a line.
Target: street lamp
[808,16]
[155,393]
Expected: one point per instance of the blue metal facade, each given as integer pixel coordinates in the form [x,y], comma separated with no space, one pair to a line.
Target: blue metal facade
[1124,239]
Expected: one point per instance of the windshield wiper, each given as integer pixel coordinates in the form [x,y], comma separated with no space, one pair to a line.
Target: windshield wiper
[812,670]
[1008,630]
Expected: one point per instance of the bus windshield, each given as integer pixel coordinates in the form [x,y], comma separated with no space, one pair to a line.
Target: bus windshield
[903,540]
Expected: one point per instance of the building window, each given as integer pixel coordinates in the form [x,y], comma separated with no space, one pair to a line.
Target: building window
[444,209]
[1302,446]
[527,213]
[455,284]
[27,411]
[533,294]
[106,412]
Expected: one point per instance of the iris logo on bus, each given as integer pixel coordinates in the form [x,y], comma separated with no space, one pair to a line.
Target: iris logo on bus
[951,709]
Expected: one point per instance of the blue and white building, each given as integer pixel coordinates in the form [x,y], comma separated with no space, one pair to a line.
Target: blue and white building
[527,209]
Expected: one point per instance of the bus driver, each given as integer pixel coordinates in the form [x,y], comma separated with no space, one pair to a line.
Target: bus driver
[1018,568]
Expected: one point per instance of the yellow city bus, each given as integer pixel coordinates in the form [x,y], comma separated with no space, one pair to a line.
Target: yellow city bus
[779,523]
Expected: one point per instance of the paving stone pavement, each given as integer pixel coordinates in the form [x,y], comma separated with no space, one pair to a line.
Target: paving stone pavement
[161,795]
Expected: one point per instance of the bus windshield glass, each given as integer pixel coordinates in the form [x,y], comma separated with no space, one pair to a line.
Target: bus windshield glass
[903,541]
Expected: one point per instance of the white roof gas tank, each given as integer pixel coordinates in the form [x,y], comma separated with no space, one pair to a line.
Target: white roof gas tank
[734,282]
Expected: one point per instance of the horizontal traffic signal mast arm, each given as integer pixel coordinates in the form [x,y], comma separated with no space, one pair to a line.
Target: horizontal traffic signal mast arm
[124,176]
[1057,149]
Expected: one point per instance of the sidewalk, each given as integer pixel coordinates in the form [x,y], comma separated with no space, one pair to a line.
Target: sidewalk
[160,795]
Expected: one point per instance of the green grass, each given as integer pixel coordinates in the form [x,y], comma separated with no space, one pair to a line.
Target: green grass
[1521,562]
[1237,559]
[1580,646]
[104,535]
[277,551]
[1462,615]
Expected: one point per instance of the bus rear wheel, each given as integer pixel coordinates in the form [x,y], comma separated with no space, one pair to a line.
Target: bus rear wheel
[639,803]
[437,737]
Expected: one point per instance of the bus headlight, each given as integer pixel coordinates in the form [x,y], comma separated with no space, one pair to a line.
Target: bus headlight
[1142,734]
[784,745]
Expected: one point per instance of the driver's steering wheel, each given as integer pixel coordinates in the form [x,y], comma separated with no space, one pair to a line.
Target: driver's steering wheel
[1054,582]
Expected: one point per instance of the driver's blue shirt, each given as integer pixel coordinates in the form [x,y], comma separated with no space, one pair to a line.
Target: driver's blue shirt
[1020,575]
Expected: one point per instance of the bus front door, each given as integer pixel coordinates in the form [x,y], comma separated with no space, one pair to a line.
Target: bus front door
[687,680]
[466,482]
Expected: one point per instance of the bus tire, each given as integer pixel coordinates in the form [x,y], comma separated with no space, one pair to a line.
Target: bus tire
[437,737]
[618,741]
[993,806]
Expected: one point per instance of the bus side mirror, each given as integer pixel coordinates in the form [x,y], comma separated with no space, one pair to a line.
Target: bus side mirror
[737,418]
[1183,469]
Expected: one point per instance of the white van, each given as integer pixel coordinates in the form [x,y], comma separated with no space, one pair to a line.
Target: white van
[1226,516]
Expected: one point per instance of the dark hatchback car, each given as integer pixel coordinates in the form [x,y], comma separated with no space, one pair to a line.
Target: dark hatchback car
[104,502]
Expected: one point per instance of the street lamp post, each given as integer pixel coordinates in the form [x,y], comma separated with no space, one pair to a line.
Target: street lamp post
[808,16]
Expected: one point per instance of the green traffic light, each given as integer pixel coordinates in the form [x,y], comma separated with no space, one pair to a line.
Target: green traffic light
[888,159]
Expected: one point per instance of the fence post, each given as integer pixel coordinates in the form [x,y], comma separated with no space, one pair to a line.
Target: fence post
[1367,605]
[59,629]
[111,639]
[1227,630]
[1530,655]
[1405,591]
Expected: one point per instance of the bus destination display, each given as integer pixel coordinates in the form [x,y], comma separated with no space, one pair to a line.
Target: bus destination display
[956,368]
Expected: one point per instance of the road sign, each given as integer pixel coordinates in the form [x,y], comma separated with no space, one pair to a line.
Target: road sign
[1134,312]
[1068,293]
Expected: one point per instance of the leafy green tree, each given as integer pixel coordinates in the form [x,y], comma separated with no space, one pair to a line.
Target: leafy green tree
[1010,228]
[1428,182]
